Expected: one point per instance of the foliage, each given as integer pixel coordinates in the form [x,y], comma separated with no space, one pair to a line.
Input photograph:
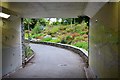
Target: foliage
[78,38]
[27,22]
[76,34]
[26,35]
[69,29]
[56,23]
[36,35]
[82,32]
[66,21]
[36,29]
[64,41]
[43,21]
[46,39]
[28,51]
[69,39]
[63,27]
[54,30]
[55,40]
[82,45]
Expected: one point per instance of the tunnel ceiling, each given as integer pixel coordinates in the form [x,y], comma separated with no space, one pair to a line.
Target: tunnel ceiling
[51,9]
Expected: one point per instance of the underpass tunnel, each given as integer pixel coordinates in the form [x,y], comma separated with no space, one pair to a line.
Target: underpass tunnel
[11,43]
[103,32]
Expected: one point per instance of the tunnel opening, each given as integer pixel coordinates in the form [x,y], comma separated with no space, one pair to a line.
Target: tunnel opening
[70,31]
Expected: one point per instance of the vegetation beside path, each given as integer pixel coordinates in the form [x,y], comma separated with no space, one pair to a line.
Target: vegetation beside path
[70,32]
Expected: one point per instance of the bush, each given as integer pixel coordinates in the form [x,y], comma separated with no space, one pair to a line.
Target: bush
[82,32]
[26,35]
[54,30]
[63,41]
[36,35]
[83,45]
[69,29]
[80,38]
[46,39]
[55,40]
[63,27]
[75,35]
[28,51]
[37,29]
[69,39]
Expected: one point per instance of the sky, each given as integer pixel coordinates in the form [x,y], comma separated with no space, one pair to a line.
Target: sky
[54,20]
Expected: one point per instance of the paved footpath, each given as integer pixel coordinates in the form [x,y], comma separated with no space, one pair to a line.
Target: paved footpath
[52,62]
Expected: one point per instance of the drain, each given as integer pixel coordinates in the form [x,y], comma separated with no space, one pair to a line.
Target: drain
[62,64]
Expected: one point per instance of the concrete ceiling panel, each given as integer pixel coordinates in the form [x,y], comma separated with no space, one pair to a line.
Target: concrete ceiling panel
[52,9]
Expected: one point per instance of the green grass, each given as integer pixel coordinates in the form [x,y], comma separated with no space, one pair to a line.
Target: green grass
[36,35]
[83,45]
[46,39]
[55,40]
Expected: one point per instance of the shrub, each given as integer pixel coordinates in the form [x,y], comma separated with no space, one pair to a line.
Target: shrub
[46,39]
[28,51]
[54,30]
[85,36]
[83,32]
[55,40]
[83,45]
[77,39]
[69,39]
[63,41]
[36,35]
[26,35]
[69,29]
[37,29]
[75,34]
[63,27]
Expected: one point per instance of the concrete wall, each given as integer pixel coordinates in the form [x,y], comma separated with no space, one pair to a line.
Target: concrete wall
[119,33]
[0,44]
[11,45]
[103,50]
[0,48]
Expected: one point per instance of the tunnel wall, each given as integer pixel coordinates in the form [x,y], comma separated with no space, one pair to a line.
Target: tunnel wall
[0,45]
[0,48]
[11,45]
[119,36]
[103,42]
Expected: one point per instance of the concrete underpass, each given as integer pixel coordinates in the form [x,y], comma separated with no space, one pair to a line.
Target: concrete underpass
[103,40]
[52,63]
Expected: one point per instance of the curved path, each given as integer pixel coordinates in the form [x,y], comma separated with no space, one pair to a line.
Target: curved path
[52,62]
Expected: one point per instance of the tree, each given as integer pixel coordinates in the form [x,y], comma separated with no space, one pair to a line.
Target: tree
[66,21]
[42,21]
[28,21]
